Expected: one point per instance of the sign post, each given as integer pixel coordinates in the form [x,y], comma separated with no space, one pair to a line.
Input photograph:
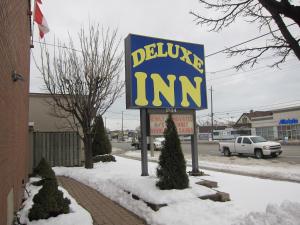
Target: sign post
[194,145]
[144,156]
[165,76]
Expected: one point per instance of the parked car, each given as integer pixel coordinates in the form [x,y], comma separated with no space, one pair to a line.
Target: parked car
[158,143]
[137,143]
[251,145]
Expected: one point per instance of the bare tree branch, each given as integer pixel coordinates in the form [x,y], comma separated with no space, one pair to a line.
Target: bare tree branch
[84,84]
[267,13]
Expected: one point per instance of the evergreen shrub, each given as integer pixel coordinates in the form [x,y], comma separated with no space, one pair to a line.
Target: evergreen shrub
[171,170]
[101,144]
[44,170]
[104,158]
[48,202]
[38,183]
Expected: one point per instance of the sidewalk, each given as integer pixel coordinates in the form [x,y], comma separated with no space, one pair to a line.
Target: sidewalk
[103,210]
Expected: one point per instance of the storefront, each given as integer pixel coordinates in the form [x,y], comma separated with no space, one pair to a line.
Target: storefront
[283,124]
[289,128]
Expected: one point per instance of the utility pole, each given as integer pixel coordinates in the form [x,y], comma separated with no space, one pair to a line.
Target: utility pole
[212,113]
[105,123]
[122,128]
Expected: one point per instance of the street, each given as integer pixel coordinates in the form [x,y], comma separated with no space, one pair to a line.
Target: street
[291,153]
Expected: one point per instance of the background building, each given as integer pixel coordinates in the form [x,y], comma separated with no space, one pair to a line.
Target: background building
[54,138]
[15,33]
[282,124]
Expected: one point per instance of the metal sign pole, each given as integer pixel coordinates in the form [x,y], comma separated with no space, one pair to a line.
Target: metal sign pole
[194,143]
[144,156]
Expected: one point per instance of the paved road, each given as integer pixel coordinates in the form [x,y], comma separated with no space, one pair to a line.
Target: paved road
[291,153]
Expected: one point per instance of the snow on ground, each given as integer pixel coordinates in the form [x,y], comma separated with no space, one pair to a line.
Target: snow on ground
[270,168]
[254,201]
[77,213]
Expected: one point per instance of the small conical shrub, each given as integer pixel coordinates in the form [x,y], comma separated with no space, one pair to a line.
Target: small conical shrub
[44,170]
[101,144]
[171,170]
[48,202]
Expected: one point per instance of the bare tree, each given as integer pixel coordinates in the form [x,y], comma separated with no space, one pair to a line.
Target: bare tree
[269,14]
[84,83]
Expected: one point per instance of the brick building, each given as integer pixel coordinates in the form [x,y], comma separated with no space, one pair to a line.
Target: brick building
[15,32]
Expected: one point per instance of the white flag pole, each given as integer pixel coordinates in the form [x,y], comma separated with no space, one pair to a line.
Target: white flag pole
[33,16]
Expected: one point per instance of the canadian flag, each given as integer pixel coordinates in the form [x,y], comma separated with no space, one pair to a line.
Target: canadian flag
[40,19]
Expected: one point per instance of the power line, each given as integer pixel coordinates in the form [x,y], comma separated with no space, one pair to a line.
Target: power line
[233,67]
[249,75]
[120,118]
[249,71]
[290,103]
[119,113]
[237,114]
[215,53]
[244,42]
[55,45]
[270,107]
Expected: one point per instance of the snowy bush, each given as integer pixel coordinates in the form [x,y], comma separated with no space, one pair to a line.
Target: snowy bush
[104,158]
[48,202]
[172,166]
[44,170]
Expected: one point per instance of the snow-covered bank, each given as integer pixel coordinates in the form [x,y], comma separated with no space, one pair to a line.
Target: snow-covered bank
[269,168]
[77,215]
[249,195]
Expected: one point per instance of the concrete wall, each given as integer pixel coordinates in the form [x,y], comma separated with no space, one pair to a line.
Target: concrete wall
[41,113]
[267,121]
[14,56]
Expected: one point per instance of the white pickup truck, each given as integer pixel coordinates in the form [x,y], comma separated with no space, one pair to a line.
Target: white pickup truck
[251,145]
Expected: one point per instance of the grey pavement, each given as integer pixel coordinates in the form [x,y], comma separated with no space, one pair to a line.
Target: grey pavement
[291,153]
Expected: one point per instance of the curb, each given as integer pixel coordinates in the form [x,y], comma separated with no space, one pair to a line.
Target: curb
[225,171]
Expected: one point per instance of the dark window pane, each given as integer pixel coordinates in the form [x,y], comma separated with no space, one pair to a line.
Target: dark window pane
[246,141]
[239,140]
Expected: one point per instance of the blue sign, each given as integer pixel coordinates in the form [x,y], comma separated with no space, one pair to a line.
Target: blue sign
[164,74]
[288,121]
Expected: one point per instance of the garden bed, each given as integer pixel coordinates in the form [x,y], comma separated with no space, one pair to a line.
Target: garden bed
[77,213]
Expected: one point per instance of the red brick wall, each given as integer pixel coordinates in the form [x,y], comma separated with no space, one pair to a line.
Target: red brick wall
[14,55]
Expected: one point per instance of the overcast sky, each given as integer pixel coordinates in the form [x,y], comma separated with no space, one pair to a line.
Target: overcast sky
[259,88]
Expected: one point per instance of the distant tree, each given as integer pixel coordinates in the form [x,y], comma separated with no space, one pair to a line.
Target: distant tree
[101,144]
[84,83]
[269,14]
[171,170]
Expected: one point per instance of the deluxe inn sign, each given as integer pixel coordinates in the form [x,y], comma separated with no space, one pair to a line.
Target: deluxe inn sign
[164,74]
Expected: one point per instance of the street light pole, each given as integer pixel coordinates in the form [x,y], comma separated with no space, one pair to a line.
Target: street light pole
[122,128]
[212,114]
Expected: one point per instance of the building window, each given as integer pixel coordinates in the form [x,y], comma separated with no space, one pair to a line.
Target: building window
[292,132]
[244,120]
[234,132]
[266,132]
